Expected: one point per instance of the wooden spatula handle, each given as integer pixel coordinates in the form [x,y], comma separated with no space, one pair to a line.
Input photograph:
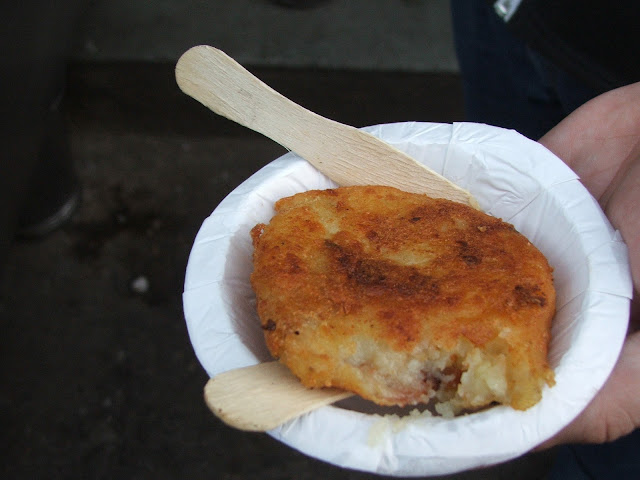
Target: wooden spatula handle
[263,396]
[345,154]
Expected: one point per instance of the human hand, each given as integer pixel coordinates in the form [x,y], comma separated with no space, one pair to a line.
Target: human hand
[600,141]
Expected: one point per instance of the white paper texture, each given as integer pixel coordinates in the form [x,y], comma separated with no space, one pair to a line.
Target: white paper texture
[513,178]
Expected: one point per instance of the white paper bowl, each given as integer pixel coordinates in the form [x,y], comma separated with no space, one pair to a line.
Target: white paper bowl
[513,178]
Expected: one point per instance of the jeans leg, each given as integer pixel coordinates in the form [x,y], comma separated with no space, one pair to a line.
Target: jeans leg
[501,84]
[615,460]
[568,91]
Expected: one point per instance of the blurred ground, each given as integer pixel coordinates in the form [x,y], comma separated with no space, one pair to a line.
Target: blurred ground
[99,379]
[374,35]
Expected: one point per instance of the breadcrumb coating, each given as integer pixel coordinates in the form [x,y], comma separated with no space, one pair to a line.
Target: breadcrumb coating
[404,299]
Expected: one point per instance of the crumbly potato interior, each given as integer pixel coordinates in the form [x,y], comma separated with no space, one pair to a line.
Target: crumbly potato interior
[454,380]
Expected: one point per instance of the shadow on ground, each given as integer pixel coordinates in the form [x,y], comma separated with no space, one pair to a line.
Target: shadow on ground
[99,378]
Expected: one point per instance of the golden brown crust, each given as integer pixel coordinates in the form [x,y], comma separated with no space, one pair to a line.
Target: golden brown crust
[356,283]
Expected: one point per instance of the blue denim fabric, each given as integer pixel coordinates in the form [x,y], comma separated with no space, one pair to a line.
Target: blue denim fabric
[505,83]
[619,460]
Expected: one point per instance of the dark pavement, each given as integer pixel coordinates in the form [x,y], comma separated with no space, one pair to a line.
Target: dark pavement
[99,380]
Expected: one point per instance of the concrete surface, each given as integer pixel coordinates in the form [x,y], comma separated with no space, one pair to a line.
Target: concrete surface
[397,35]
[99,380]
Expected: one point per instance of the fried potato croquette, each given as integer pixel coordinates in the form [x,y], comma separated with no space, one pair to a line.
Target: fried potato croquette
[404,299]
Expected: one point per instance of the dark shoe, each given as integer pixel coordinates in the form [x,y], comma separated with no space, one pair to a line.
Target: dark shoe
[57,219]
[54,194]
